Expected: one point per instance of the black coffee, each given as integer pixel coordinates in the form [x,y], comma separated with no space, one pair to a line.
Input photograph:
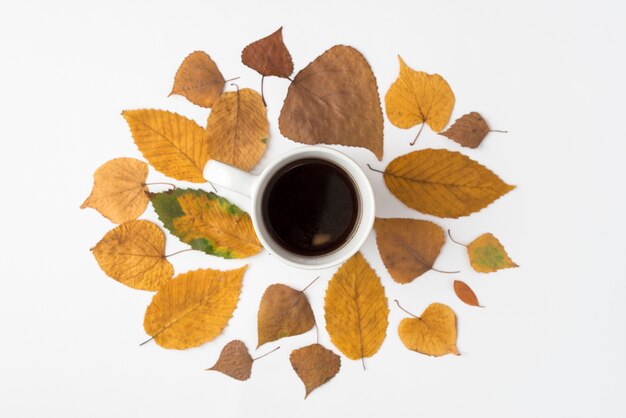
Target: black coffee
[310,207]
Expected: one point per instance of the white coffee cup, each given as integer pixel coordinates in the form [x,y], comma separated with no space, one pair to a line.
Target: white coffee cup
[255,187]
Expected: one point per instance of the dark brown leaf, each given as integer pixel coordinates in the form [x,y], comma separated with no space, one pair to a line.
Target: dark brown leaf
[469,130]
[234,361]
[269,56]
[314,365]
[465,293]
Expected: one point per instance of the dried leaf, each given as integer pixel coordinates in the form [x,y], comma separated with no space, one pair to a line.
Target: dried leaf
[314,365]
[465,293]
[119,191]
[418,97]
[356,309]
[193,308]
[199,80]
[283,312]
[237,129]
[234,361]
[207,222]
[408,247]
[269,56]
[443,183]
[469,130]
[433,334]
[487,255]
[334,100]
[133,253]
[173,144]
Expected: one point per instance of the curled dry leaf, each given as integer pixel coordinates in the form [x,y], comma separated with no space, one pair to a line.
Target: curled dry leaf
[207,222]
[283,312]
[469,130]
[487,254]
[269,56]
[234,361]
[237,129]
[314,365]
[443,183]
[193,308]
[133,253]
[199,80]
[173,144]
[408,247]
[418,97]
[119,191]
[355,309]
[334,100]
[465,293]
[433,333]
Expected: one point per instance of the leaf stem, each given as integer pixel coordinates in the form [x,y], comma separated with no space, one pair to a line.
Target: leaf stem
[400,306]
[308,285]
[173,186]
[232,79]
[269,352]
[213,187]
[262,91]
[418,133]
[178,252]
[147,341]
[373,169]
[453,240]
[363,362]
[497,130]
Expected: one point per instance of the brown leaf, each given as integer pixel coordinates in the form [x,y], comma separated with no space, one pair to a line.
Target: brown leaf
[199,80]
[465,293]
[314,365]
[334,100]
[433,333]
[283,312]
[408,247]
[269,56]
[469,130]
[355,308]
[443,183]
[119,191]
[234,361]
[237,129]
[487,254]
[133,253]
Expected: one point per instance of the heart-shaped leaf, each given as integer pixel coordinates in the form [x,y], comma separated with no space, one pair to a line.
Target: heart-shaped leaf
[433,333]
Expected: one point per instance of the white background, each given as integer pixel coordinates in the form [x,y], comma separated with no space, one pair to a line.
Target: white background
[551,340]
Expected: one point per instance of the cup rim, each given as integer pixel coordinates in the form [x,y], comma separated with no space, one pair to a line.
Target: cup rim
[364,187]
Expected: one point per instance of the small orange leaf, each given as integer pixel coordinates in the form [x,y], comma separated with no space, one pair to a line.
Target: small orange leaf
[408,247]
[469,130]
[199,80]
[133,253]
[269,56]
[234,361]
[433,334]
[417,97]
[487,255]
[314,365]
[119,191]
[465,293]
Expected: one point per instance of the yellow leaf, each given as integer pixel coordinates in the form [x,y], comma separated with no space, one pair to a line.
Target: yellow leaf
[237,129]
[119,191]
[173,144]
[356,309]
[487,254]
[198,79]
[193,308]
[133,253]
[408,247]
[207,222]
[443,183]
[417,97]
[433,334]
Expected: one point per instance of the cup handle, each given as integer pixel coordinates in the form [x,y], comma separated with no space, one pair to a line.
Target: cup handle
[230,177]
